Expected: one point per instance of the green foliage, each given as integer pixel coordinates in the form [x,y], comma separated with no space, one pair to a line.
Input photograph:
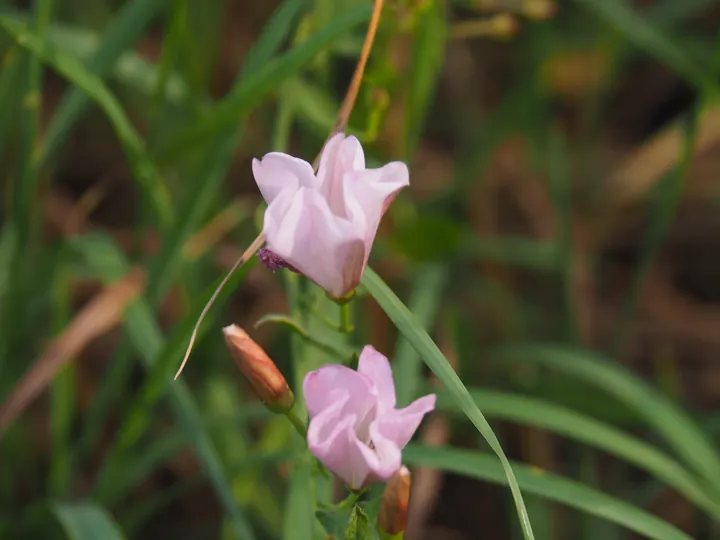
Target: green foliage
[489,253]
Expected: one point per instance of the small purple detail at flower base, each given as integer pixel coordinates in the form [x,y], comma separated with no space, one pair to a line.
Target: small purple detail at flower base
[324,224]
[273,262]
[355,429]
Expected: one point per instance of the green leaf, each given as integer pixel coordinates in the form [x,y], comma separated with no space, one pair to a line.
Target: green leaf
[299,519]
[428,237]
[359,527]
[428,56]
[678,429]
[566,422]
[143,169]
[636,29]
[513,251]
[86,521]
[412,330]
[129,24]
[553,487]
[104,257]
[268,77]
[428,286]
[206,179]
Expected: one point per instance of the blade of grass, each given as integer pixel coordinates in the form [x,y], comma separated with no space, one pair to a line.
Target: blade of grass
[129,69]
[428,56]
[668,194]
[566,422]
[513,251]
[26,185]
[128,25]
[267,78]
[553,487]
[105,258]
[680,431]
[206,180]
[86,521]
[143,169]
[412,330]
[650,38]
[62,396]
[424,301]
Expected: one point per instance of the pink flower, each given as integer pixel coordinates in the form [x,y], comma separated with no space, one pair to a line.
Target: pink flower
[355,429]
[324,225]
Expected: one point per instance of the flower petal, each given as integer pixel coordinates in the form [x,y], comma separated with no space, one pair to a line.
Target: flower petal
[399,425]
[368,195]
[340,156]
[332,383]
[327,249]
[375,366]
[277,172]
[331,439]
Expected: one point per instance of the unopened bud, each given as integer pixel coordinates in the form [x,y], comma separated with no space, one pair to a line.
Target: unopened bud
[260,371]
[394,504]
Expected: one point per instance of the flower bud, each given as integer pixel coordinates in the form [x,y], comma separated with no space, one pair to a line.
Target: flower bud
[394,504]
[260,371]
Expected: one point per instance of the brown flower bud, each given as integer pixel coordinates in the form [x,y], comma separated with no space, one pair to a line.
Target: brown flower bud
[394,504]
[260,371]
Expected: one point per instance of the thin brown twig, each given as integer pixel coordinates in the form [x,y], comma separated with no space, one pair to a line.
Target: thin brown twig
[101,314]
[339,126]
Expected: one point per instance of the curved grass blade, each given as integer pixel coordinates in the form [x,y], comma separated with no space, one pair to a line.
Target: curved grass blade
[428,286]
[678,429]
[206,180]
[69,67]
[86,521]
[566,422]
[268,77]
[104,257]
[553,487]
[412,330]
[130,69]
[128,25]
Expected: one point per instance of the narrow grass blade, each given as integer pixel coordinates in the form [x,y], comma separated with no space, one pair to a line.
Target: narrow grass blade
[143,169]
[667,196]
[424,301]
[536,481]
[130,69]
[207,178]
[104,257]
[129,24]
[678,429]
[86,521]
[568,423]
[268,77]
[637,29]
[513,251]
[413,331]
[299,522]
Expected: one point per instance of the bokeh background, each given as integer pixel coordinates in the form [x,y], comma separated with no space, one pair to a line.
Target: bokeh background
[559,240]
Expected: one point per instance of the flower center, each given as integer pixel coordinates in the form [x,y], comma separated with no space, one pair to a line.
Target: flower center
[273,261]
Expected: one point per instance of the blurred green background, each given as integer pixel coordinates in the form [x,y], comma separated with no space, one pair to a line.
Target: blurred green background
[559,240]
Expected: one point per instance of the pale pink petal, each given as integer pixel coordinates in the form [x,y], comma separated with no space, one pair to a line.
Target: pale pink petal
[331,383]
[399,425]
[323,247]
[341,156]
[376,367]
[332,439]
[277,172]
[368,195]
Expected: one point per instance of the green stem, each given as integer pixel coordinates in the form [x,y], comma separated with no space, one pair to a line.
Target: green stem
[297,423]
[346,326]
